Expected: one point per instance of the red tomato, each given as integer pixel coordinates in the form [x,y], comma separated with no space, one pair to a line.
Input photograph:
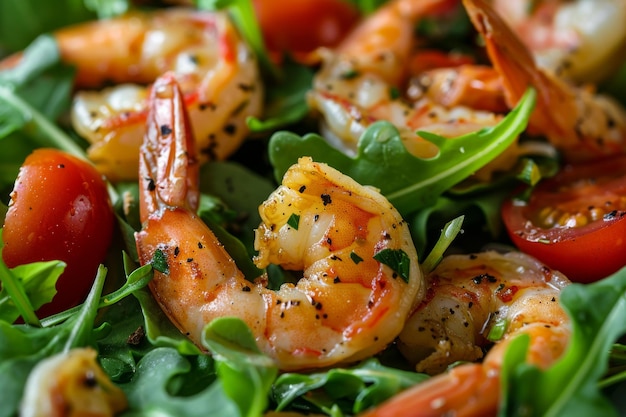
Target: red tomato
[576,221]
[300,26]
[59,210]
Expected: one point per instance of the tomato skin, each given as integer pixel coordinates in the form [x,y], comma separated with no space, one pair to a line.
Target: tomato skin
[303,25]
[59,210]
[584,254]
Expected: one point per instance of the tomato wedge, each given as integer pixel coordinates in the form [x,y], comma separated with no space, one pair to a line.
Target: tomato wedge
[59,210]
[576,221]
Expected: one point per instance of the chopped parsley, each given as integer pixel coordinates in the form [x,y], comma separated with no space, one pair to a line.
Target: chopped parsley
[396,259]
[294,221]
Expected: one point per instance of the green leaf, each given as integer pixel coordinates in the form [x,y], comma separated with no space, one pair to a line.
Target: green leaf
[397,260]
[39,282]
[449,232]
[355,389]
[149,392]
[285,99]
[22,21]
[382,161]
[246,374]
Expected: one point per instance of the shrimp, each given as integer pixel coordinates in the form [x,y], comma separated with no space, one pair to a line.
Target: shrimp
[581,41]
[71,384]
[215,68]
[578,122]
[360,275]
[358,84]
[472,298]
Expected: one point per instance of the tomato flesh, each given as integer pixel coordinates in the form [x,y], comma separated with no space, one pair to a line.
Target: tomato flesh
[59,210]
[303,25]
[576,221]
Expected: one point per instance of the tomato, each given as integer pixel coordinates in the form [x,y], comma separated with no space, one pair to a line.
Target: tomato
[576,221]
[303,25]
[59,210]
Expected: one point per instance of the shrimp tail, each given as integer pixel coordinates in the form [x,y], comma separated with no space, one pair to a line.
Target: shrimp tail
[514,61]
[466,390]
[167,159]
[580,123]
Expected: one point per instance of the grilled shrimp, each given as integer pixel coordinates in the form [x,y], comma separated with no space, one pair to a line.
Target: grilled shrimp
[470,299]
[581,41]
[71,384]
[360,276]
[580,123]
[360,82]
[215,68]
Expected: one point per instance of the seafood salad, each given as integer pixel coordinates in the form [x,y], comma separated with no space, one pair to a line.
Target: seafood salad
[313,208]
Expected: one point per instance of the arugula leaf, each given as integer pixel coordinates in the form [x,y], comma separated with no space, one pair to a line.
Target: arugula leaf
[23,346]
[570,387]
[382,161]
[22,21]
[39,283]
[149,392]
[354,389]
[285,99]
[246,374]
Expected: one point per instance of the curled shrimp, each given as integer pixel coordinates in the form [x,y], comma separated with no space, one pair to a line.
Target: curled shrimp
[581,41]
[360,274]
[360,81]
[71,384]
[582,124]
[472,298]
[215,68]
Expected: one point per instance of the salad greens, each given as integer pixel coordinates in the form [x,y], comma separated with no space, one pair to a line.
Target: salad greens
[163,373]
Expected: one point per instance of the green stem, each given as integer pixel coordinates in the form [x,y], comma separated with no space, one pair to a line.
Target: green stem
[44,127]
[14,288]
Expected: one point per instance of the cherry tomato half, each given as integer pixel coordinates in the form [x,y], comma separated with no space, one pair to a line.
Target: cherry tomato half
[59,210]
[303,25]
[576,221]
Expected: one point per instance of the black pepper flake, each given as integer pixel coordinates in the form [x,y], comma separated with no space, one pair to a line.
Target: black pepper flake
[316,217]
[151,184]
[166,130]
[200,246]
[246,289]
[230,129]
[90,380]
[610,216]
[61,166]
[189,259]
[176,251]
[326,200]
[302,188]
[336,280]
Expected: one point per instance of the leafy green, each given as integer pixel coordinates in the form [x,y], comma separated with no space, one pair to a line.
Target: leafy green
[23,346]
[150,393]
[24,20]
[354,389]
[382,161]
[570,387]
[285,100]
[449,232]
[246,374]
[38,281]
